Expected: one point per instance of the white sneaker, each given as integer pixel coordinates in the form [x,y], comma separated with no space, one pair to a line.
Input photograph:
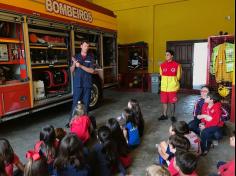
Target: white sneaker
[215,142]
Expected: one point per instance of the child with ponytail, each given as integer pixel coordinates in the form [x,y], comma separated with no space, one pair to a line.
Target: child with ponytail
[36,165]
[106,154]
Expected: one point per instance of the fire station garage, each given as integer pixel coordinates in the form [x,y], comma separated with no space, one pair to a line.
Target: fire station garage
[102,88]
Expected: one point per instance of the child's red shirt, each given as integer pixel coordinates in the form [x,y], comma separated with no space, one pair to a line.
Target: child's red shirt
[9,167]
[80,126]
[174,172]
[227,169]
[215,112]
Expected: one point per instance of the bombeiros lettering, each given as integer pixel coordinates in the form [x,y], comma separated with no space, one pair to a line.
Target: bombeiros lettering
[54,6]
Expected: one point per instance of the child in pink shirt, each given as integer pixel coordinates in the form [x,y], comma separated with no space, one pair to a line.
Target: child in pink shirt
[81,124]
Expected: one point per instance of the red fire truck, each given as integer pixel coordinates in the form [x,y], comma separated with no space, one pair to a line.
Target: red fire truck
[37,40]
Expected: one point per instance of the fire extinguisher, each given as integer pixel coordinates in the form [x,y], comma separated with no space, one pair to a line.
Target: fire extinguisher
[23,67]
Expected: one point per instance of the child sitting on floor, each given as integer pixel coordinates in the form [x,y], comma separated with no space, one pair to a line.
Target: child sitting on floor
[177,143]
[194,124]
[106,154]
[81,124]
[167,150]
[9,158]
[133,105]
[181,128]
[211,124]
[71,159]
[36,165]
[185,163]
[131,132]
[119,139]
[47,145]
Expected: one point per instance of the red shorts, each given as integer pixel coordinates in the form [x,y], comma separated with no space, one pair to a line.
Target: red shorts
[126,161]
[168,97]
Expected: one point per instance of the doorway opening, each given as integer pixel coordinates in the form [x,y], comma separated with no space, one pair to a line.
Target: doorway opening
[199,65]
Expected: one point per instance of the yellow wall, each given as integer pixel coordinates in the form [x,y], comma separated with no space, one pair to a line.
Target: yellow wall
[189,20]
[136,25]
[158,21]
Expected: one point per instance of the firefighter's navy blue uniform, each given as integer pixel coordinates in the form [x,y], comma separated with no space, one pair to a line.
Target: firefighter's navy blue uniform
[82,82]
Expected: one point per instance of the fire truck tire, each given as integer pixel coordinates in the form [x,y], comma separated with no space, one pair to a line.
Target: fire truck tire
[96,93]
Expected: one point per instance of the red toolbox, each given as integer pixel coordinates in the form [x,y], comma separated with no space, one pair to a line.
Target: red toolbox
[14,97]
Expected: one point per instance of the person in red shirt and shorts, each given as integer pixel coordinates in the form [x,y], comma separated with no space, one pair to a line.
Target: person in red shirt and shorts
[170,72]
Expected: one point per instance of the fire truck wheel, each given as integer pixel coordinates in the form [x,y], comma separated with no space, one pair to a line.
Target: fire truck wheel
[96,94]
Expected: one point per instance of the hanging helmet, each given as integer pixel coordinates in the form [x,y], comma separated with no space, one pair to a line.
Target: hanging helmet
[33,38]
[223,91]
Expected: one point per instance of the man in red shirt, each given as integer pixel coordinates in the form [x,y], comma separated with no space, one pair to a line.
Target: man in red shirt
[170,72]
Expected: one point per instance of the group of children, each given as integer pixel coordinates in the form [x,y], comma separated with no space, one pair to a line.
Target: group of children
[182,146]
[181,161]
[58,153]
[189,141]
[209,116]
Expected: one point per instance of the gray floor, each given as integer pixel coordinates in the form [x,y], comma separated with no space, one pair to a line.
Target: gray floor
[23,132]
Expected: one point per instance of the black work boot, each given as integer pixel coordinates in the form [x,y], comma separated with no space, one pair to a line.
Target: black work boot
[173,119]
[163,117]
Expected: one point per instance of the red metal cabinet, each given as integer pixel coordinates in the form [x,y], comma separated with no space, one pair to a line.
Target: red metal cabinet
[233,104]
[212,42]
[15,97]
[1,107]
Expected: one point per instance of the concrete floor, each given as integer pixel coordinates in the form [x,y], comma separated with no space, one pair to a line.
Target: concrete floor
[23,132]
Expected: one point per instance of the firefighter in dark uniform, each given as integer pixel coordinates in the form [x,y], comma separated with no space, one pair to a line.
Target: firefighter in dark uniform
[82,67]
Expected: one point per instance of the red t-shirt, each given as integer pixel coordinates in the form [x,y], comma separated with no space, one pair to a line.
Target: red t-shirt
[174,172]
[171,168]
[80,126]
[215,112]
[227,169]
[126,161]
[9,167]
